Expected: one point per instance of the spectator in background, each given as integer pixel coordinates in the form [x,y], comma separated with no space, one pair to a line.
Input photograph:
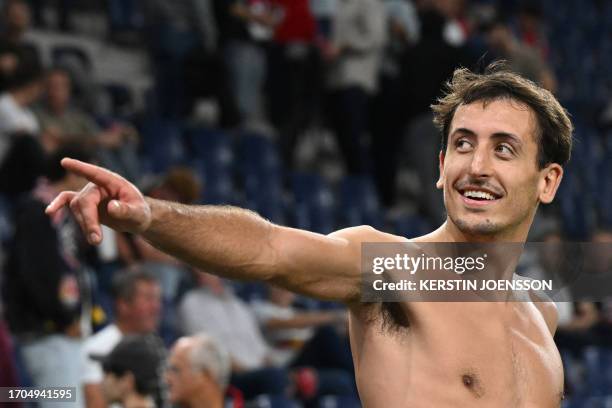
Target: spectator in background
[529,28]
[388,117]
[16,116]
[181,185]
[198,372]
[457,28]
[132,372]
[62,10]
[214,309]
[184,48]
[601,264]
[44,289]
[137,308]
[293,73]
[8,370]
[62,123]
[23,165]
[425,69]
[290,331]
[15,50]
[576,317]
[520,58]
[354,55]
[245,29]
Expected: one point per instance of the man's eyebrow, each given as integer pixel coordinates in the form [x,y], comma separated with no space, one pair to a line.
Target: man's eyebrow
[506,135]
[496,135]
[465,131]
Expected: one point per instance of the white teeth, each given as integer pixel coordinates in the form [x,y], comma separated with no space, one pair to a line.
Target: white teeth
[478,194]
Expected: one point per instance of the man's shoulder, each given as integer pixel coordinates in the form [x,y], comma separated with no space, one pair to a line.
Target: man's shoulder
[366,233]
[547,308]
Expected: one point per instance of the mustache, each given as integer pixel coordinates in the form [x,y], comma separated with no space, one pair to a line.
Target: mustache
[463,184]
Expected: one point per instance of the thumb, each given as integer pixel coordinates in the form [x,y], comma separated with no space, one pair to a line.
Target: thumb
[130,215]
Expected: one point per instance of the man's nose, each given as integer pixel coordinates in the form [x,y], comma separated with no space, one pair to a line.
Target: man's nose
[480,165]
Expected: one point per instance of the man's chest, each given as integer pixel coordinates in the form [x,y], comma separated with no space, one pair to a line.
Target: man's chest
[455,352]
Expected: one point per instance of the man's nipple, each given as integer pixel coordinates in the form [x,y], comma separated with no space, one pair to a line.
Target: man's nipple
[471,382]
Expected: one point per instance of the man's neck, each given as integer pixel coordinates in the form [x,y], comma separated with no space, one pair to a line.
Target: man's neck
[449,232]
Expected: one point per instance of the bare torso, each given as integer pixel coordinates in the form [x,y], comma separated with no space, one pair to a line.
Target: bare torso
[436,354]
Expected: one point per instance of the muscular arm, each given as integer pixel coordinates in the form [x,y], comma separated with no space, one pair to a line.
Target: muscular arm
[227,241]
[238,244]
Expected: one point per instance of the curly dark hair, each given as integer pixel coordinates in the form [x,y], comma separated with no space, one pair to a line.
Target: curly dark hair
[554,127]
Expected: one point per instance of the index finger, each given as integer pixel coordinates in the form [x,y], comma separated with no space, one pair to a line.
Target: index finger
[97,175]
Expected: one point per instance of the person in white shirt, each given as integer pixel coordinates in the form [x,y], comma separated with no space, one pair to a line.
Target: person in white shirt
[213,308]
[137,297]
[24,89]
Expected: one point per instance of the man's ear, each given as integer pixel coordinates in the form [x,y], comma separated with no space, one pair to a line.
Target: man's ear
[440,182]
[550,178]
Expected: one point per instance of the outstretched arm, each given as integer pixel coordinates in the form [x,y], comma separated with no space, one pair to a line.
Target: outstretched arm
[228,241]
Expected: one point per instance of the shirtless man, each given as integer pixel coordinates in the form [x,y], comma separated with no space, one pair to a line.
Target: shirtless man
[504,143]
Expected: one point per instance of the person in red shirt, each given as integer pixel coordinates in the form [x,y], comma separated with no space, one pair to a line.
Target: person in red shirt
[293,72]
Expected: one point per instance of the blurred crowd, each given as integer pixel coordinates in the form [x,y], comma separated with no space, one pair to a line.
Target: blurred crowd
[315,113]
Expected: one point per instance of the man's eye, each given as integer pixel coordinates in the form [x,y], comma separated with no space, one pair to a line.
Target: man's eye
[504,149]
[463,145]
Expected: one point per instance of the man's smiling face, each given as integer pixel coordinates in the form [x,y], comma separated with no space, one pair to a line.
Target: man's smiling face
[489,172]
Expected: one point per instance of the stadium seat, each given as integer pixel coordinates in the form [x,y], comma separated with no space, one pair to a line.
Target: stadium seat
[332,401]
[259,170]
[272,401]
[210,144]
[314,203]
[411,226]
[61,53]
[359,202]
[121,99]
[257,154]
[162,144]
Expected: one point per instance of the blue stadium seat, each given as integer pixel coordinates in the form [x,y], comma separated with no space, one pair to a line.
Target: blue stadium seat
[605,197]
[121,99]
[576,206]
[359,204]
[257,154]
[314,203]
[211,145]
[272,401]
[212,156]
[60,53]
[162,144]
[259,168]
[595,377]
[332,401]
[217,181]
[411,226]
[250,291]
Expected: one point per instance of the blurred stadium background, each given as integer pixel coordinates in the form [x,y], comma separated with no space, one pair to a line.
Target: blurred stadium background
[312,113]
